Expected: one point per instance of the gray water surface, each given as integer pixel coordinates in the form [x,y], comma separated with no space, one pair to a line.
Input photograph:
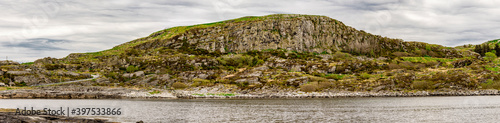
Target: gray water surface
[379,109]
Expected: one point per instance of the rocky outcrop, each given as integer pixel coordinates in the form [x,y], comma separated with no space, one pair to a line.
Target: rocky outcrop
[7,62]
[135,74]
[11,117]
[302,33]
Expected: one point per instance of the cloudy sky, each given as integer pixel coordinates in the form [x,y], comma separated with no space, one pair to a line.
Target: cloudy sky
[33,29]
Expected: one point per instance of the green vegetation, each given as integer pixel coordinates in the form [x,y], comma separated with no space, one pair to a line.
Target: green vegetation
[221,94]
[27,63]
[155,92]
[426,59]
[132,68]
[179,85]
[491,84]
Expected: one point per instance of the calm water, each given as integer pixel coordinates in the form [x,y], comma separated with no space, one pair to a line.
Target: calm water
[400,109]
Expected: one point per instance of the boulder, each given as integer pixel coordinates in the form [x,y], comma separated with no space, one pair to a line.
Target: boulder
[297,81]
[7,62]
[261,68]
[253,80]
[135,74]
[18,73]
[202,76]
[2,84]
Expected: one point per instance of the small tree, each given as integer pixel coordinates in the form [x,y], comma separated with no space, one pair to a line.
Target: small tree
[490,56]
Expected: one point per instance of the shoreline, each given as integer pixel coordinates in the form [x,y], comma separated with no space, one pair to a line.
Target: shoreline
[125,93]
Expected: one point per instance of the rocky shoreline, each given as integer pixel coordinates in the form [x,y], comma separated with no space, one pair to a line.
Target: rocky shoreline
[126,93]
[10,117]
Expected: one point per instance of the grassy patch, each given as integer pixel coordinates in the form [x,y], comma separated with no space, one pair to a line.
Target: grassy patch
[198,94]
[491,84]
[335,76]
[221,94]
[27,63]
[14,88]
[426,59]
[179,85]
[155,92]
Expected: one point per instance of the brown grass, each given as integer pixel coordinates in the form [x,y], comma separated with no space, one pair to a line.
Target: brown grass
[179,85]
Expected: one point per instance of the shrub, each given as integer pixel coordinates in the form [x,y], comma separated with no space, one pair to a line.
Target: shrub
[308,88]
[132,68]
[400,54]
[239,60]
[53,66]
[340,56]
[364,76]
[489,56]
[201,82]
[422,85]
[334,76]
[393,66]
[491,84]
[179,85]
[324,85]
[155,92]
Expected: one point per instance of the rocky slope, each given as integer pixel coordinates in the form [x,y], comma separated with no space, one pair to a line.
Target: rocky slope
[278,52]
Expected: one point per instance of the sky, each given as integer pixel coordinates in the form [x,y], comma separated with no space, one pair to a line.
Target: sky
[34,29]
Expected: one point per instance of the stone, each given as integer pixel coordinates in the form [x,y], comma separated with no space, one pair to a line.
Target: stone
[253,80]
[2,84]
[18,73]
[135,74]
[297,81]
[202,76]
[261,68]
[255,74]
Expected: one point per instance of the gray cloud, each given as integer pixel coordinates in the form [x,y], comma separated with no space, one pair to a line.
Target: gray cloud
[92,25]
[38,44]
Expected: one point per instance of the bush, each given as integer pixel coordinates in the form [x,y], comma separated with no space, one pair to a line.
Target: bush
[340,56]
[393,66]
[334,76]
[201,82]
[308,88]
[422,85]
[179,85]
[239,60]
[490,56]
[53,66]
[324,85]
[132,68]
[491,84]
[364,76]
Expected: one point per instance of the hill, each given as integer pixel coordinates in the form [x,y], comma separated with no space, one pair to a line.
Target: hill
[274,52]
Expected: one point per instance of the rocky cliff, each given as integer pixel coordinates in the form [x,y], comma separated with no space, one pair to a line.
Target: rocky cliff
[302,33]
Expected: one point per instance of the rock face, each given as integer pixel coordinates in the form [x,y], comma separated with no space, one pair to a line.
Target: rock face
[7,62]
[303,33]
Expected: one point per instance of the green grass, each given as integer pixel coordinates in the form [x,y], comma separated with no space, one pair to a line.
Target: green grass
[335,76]
[155,92]
[221,94]
[426,59]
[198,94]
[495,69]
[27,63]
